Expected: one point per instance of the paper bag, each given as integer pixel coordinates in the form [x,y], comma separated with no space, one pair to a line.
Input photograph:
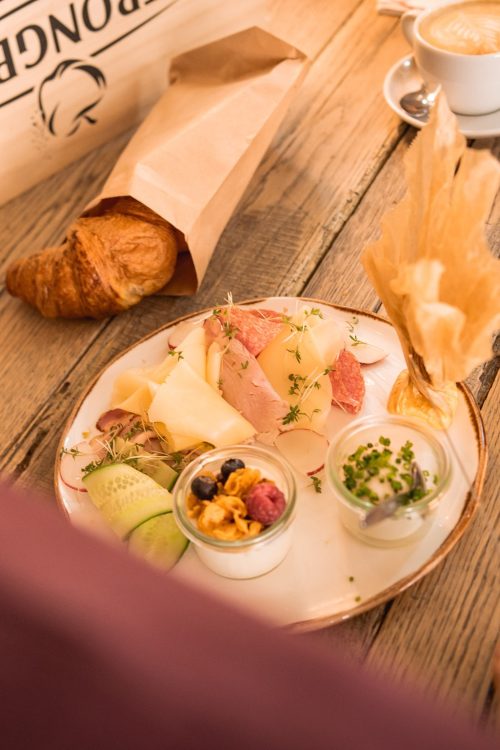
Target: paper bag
[192,158]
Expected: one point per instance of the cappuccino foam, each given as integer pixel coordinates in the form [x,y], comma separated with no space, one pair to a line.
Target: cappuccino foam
[468,28]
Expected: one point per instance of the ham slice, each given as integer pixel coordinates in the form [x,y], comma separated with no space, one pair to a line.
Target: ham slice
[254,328]
[245,386]
[348,385]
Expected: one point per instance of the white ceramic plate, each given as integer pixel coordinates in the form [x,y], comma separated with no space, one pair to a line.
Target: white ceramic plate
[404,77]
[312,588]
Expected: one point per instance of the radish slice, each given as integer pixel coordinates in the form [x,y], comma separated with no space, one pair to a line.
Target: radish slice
[304,449]
[180,332]
[366,354]
[72,464]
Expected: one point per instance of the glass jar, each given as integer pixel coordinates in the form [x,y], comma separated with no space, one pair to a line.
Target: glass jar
[242,558]
[411,521]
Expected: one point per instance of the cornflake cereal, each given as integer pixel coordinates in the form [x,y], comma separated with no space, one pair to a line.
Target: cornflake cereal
[226,515]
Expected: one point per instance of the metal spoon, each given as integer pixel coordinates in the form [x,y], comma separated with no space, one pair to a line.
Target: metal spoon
[388,507]
[419,103]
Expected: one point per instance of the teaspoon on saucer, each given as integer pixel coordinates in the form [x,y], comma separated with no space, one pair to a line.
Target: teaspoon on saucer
[419,103]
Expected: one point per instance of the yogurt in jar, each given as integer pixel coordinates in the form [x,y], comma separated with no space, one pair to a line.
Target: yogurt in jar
[248,556]
[370,461]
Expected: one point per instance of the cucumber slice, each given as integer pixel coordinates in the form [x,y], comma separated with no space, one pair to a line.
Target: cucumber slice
[158,541]
[160,471]
[126,497]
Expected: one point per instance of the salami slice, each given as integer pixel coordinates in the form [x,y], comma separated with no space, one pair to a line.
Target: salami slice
[348,385]
[255,329]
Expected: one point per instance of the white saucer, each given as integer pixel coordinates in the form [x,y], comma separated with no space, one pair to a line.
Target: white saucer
[404,77]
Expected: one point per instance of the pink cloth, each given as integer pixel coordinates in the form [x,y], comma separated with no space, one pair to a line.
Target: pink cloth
[97,650]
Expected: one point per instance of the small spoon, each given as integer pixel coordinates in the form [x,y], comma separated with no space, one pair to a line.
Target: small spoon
[419,103]
[388,507]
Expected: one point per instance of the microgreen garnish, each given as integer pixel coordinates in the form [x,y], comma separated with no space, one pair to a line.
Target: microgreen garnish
[316,483]
[117,448]
[293,415]
[372,465]
[135,429]
[316,311]
[296,353]
[229,330]
[356,341]
[71,452]
[297,384]
[175,353]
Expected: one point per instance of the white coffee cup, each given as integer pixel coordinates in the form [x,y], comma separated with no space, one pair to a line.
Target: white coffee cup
[471,82]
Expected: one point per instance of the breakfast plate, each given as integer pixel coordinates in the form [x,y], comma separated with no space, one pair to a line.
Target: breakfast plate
[328,574]
[404,77]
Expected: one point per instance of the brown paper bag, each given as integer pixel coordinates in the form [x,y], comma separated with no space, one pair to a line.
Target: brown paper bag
[193,156]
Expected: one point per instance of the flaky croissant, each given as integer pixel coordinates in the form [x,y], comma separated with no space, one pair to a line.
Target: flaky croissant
[108,262]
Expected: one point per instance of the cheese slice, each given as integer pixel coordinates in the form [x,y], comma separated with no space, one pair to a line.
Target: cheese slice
[326,341]
[131,384]
[189,407]
[128,383]
[297,359]
[192,350]
[139,401]
[214,364]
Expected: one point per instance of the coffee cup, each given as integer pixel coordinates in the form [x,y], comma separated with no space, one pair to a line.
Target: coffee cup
[457,46]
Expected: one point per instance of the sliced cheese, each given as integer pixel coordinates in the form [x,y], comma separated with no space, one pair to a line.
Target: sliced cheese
[192,350]
[326,340]
[126,384]
[297,358]
[181,442]
[175,442]
[139,401]
[189,407]
[214,364]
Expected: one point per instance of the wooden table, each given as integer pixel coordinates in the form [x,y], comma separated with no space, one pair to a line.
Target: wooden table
[317,198]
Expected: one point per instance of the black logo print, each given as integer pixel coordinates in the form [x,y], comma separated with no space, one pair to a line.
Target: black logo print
[68,96]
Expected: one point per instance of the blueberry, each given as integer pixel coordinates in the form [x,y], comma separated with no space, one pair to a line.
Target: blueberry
[204,487]
[227,468]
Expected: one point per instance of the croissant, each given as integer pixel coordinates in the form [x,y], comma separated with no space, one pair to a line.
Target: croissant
[109,261]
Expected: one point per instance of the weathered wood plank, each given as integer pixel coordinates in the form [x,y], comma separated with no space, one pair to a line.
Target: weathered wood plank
[340,277]
[309,25]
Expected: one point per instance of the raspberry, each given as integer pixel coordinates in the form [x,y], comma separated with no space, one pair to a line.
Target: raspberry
[265,503]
